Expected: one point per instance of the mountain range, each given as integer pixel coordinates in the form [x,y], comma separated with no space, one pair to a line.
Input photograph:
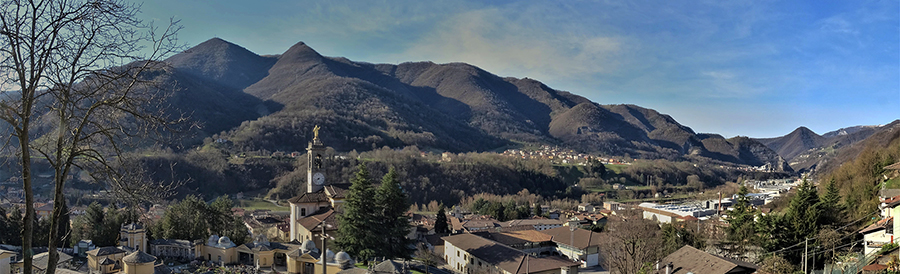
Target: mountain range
[272,103]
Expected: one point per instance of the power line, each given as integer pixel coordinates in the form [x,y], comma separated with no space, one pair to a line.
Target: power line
[800,243]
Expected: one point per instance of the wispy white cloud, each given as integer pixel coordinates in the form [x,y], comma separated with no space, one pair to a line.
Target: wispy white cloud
[516,45]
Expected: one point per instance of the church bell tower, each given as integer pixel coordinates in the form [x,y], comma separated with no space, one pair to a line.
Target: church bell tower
[315,171]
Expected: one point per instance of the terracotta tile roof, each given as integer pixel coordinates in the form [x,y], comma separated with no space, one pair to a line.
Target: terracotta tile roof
[479,224]
[312,222]
[879,225]
[504,257]
[315,197]
[515,238]
[531,222]
[892,201]
[337,191]
[580,238]
[689,259]
[874,267]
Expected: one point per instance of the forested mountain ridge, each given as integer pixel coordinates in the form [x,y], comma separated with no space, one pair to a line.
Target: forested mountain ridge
[455,107]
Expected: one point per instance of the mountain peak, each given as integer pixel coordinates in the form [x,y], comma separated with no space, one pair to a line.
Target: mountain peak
[301,51]
[803,130]
[223,61]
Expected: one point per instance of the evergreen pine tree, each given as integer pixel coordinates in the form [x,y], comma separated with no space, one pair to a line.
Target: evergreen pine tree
[741,229]
[356,222]
[832,208]
[441,225]
[537,210]
[392,204]
[805,212]
[16,224]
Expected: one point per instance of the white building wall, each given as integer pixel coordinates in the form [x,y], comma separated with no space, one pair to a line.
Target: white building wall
[4,265]
[293,222]
[658,217]
[455,258]
[874,240]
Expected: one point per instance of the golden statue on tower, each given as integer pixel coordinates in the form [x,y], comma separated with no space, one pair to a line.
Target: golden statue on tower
[316,132]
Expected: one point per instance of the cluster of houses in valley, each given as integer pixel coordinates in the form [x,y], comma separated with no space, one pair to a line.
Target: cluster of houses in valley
[559,156]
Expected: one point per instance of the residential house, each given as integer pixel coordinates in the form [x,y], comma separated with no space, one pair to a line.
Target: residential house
[580,245]
[40,262]
[585,207]
[43,210]
[529,241]
[459,225]
[83,246]
[4,260]
[882,232]
[877,235]
[530,224]
[469,254]
[691,260]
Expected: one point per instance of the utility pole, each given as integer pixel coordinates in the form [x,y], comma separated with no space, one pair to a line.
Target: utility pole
[324,254]
[805,254]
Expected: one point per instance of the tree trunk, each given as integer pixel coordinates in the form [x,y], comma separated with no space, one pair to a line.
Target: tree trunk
[28,223]
[56,216]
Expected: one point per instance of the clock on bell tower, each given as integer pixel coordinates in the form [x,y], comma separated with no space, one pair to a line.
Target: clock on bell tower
[315,171]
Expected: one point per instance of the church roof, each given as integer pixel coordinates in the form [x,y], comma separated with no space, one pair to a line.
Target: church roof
[337,191]
[139,257]
[106,250]
[315,197]
[107,261]
[389,266]
[132,226]
[312,222]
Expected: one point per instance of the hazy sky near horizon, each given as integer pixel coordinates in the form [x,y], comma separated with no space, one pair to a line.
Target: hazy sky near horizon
[752,68]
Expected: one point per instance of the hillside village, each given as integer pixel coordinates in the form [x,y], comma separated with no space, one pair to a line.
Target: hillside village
[552,241]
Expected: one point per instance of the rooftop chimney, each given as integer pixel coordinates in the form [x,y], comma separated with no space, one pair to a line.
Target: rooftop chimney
[669,268]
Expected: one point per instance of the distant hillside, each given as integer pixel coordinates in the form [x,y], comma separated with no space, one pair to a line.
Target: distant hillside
[805,150]
[454,107]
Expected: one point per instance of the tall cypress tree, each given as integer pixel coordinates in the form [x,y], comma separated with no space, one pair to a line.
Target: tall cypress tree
[392,204]
[440,224]
[357,221]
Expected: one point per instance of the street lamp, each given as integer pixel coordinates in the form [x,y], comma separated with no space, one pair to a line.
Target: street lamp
[324,255]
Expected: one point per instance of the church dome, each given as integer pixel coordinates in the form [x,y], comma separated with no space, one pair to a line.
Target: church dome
[213,240]
[308,246]
[225,242]
[139,257]
[344,260]
[342,257]
[329,256]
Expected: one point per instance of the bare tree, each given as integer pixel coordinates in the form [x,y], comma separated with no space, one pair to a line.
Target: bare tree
[75,90]
[630,243]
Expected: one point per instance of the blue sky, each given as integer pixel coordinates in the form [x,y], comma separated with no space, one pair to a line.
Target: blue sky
[750,68]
